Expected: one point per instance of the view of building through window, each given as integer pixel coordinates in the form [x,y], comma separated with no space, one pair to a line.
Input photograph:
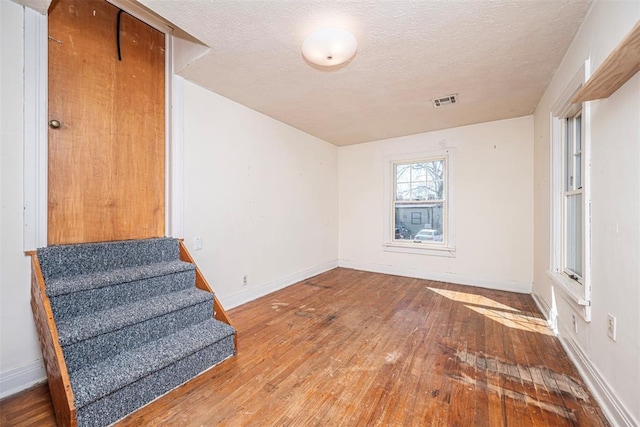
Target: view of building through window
[419,202]
[573,197]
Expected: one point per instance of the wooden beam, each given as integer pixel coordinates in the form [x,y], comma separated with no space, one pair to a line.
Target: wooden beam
[622,64]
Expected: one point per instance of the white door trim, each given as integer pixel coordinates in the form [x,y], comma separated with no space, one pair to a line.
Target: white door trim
[35,130]
[175,162]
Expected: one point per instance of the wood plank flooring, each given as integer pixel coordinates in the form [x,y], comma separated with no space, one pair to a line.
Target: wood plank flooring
[351,348]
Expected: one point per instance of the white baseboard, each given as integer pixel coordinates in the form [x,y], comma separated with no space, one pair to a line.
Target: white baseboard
[547,312]
[543,306]
[612,407]
[502,285]
[253,293]
[15,380]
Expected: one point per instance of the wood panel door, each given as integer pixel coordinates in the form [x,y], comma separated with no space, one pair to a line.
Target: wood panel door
[106,167]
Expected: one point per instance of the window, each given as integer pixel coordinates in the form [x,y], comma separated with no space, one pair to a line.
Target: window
[570,238]
[419,202]
[419,206]
[573,200]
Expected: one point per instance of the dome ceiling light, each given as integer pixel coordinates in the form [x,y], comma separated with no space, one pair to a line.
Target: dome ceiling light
[328,47]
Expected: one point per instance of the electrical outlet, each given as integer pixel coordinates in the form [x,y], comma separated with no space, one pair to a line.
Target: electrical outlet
[574,322]
[245,280]
[197,243]
[611,326]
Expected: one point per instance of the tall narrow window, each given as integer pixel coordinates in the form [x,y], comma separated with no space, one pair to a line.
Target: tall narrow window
[570,221]
[573,200]
[420,202]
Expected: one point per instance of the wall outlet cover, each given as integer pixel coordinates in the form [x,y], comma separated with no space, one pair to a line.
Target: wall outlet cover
[197,243]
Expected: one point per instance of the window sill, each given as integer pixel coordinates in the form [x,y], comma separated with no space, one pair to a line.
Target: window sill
[420,249]
[571,292]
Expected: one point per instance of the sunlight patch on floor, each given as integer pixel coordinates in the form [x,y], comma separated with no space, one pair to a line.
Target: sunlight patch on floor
[514,320]
[471,299]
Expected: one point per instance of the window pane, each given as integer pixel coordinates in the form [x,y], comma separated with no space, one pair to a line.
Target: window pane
[436,170]
[430,227]
[403,173]
[578,171]
[568,155]
[419,172]
[578,131]
[573,234]
[577,165]
[436,190]
[418,191]
[433,191]
[403,192]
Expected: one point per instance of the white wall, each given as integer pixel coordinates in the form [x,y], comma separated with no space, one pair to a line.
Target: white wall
[493,180]
[20,359]
[261,195]
[612,368]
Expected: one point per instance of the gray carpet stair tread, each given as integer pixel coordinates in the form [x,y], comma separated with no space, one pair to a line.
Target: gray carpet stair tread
[83,282]
[79,328]
[94,382]
[71,260]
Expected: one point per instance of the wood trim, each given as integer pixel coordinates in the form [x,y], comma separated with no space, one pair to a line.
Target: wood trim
[55,366]
[219,312]
[621,64]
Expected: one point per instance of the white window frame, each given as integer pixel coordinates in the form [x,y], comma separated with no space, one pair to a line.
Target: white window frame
[576,292]
[446,248]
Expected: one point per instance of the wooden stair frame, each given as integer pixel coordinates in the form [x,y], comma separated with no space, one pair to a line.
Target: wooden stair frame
[201,283]
[52,356]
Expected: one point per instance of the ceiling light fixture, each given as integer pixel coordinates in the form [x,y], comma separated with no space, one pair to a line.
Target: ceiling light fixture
[329,46]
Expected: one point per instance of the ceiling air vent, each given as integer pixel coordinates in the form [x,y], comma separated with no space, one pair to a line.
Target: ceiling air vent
[445,100]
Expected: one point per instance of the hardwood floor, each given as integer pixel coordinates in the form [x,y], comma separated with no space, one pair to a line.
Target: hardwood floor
[351,348]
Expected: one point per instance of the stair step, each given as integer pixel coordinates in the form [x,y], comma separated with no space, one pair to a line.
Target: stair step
[84,294]
[73,260]
[109,390]
[90,338]
[84,282]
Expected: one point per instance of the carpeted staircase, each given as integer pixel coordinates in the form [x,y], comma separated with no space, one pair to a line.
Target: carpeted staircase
[130,322]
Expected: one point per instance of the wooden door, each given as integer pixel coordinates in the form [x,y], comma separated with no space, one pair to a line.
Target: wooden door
[106,166]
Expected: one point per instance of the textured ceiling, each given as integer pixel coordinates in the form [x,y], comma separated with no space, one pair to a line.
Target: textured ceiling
[498,55]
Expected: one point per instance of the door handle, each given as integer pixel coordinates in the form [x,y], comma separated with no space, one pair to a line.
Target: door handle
[54,124]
